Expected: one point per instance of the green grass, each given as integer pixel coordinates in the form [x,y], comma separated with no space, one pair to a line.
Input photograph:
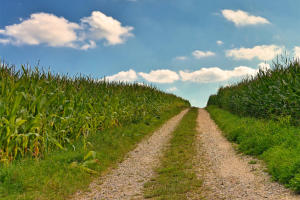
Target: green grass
[274,94]
[275,142]
[41,112]
[175,177]
[56,176]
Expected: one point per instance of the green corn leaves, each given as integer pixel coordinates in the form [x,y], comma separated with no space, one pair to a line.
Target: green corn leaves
[41,111]
[271,94]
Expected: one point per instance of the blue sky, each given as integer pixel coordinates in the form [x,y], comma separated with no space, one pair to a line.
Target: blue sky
[189,48]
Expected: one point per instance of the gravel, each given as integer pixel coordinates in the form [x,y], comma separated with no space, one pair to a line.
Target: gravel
[127,180]
[228,175]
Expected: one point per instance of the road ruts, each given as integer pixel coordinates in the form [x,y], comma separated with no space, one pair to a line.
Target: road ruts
[127,180]
[227,175]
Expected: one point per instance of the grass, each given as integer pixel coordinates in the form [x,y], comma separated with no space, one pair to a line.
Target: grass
[274,93]
[275,142]
[175,177]
[62,173]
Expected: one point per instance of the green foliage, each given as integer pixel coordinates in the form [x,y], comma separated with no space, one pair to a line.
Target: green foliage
[175,177]
[274,93]
[62,173]
[41,111]
[276,143]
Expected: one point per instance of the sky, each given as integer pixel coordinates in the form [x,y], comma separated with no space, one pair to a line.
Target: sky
[189,48]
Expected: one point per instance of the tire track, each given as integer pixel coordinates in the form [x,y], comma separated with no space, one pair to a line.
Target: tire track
[227,175]
[127,180]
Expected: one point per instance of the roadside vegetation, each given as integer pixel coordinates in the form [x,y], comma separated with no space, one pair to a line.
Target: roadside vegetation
[262,115]
[175,177]
[57,132]
[273,93]
[275,142]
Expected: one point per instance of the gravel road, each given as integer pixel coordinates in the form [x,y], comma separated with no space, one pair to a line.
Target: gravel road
[127,180]
[228,175]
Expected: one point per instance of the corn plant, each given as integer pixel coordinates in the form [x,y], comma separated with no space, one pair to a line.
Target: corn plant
[41,111]
[273,93]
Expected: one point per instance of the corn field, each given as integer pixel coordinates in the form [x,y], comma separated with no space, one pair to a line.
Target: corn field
[41,111]
[271,94]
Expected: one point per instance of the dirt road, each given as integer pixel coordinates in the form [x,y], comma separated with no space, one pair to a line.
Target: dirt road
[226,174]
[127,180]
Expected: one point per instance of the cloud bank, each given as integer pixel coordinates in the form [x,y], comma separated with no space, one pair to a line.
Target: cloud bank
[203,75]
[54,31]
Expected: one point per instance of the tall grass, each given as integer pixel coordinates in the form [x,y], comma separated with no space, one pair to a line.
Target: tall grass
[274,93]
[41,111]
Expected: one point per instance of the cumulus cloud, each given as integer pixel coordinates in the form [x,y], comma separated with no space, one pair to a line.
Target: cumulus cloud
[215,74]
[160,76]
[181,58]
[202,54]
[297,52]
[263,52]
[126,76]
[54,31]
[101,26]
[242,18]
[42,28]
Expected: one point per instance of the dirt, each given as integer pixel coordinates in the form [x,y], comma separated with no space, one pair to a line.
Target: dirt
[127,180]
[228,175]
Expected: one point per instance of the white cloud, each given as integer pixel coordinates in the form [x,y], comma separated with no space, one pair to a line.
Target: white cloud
[42,28]
[160,76]
[126,76]
[219,42]
[297,52]
[215,74]
[242,18]
[172,89]
[90,45]
[54,31]
[202,54]
[203,75]
[264,52]
[264,66]
[101,26]
[181,58]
